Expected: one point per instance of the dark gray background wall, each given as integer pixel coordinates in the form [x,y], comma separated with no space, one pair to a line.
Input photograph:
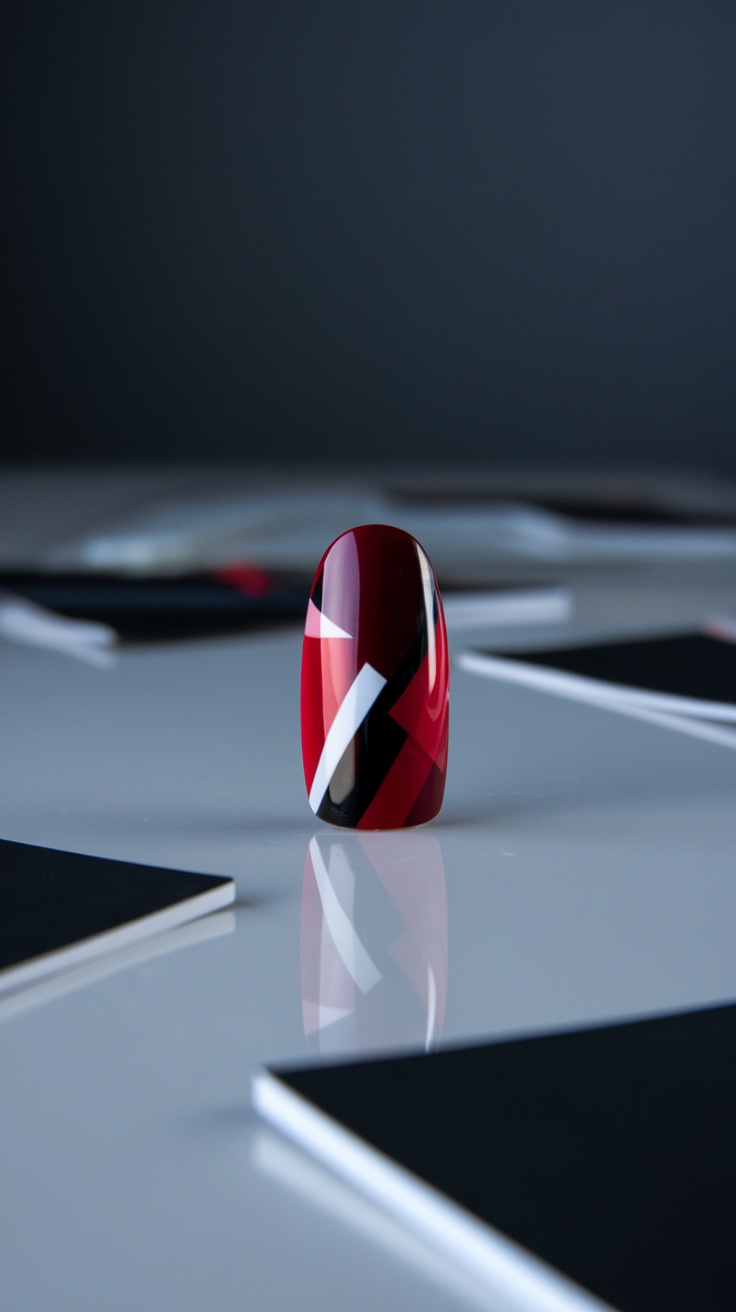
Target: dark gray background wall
[351,230]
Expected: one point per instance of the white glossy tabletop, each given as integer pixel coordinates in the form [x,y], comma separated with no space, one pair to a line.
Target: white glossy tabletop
[582,869]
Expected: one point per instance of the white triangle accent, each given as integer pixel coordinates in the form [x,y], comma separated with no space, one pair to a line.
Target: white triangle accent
[312,626]
[317,1016]
[319,626]
[328,629]
[328,1015]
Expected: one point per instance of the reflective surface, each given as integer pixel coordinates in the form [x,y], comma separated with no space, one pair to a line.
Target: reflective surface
[589,872]
[375,683]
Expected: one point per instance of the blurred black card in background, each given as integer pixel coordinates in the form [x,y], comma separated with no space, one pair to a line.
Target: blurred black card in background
[687,675]
[235,599]
[688,665]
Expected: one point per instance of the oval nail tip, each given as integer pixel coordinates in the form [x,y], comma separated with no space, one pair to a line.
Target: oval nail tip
[375,684]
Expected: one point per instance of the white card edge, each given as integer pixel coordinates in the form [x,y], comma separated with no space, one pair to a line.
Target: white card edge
[468,609]
[133,931]
[507,1269]
[579,687]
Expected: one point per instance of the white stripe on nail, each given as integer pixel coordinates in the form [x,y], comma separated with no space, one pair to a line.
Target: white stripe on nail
[360,696]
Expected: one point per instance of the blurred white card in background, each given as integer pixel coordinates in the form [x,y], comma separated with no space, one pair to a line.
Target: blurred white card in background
[293,528]
[682,681]
[25,622]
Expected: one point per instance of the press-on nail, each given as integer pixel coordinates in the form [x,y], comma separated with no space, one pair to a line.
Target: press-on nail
[375,683]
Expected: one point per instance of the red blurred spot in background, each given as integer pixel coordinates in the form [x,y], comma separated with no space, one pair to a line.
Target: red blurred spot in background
[249,579]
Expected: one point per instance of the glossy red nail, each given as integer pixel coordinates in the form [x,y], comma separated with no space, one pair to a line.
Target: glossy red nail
[375,683]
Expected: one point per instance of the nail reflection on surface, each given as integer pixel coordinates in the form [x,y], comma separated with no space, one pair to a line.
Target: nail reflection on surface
[374,940]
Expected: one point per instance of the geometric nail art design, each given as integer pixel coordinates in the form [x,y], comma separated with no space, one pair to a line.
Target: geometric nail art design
[375,683]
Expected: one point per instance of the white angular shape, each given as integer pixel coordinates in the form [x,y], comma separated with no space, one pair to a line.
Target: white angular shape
[360,696]
[319,626]
[351,951]
[317,1016]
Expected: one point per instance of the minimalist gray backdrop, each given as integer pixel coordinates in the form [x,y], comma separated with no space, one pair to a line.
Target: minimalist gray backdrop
[436,229]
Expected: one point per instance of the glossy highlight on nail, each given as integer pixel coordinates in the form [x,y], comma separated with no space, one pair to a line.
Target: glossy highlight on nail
[375,683]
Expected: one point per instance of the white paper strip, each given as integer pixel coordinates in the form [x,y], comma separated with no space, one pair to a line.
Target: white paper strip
[596,691]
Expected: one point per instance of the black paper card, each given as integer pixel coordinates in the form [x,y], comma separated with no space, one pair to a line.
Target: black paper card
[57,908]
[610,1152]
[239,599]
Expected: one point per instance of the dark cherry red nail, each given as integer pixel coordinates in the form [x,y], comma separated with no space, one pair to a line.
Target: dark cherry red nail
[375,683]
